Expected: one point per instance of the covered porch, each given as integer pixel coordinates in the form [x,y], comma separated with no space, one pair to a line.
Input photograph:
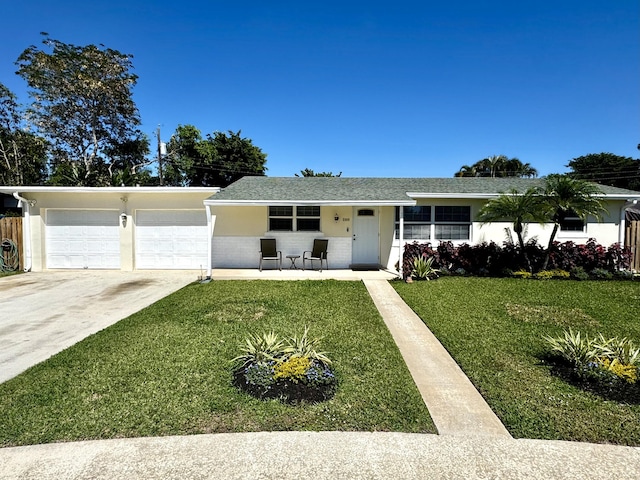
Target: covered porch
[287,274]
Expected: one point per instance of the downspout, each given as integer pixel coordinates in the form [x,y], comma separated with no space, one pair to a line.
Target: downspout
[26,230]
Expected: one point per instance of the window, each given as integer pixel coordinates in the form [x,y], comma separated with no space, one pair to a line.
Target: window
[416,223]
[440,223]
[572,223]
[301,219]
[453,223]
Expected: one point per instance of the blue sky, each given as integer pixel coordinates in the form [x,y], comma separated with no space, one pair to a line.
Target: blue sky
[365,87]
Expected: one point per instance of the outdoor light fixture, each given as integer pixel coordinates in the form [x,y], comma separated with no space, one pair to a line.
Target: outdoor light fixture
[123,218]
[336,217]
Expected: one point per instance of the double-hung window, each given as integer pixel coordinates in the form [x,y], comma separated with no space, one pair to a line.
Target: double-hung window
[427,222]
[287,218]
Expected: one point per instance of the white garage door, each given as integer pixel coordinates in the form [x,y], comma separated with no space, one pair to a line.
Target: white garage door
[171,239]
[83,239]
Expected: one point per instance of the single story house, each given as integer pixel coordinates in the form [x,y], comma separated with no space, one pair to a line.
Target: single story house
[367,219]
[121,228]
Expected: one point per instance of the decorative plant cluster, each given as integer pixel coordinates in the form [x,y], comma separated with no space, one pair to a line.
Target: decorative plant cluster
[491,259]
[423,268]
[291,370]
[608,366]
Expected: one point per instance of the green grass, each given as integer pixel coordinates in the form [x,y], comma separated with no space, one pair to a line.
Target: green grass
[494,327]
[166,370]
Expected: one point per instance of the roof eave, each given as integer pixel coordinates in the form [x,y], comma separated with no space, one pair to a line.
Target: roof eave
[328,203]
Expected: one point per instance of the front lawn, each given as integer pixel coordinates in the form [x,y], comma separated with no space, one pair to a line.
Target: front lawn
[166,370]
[493,328]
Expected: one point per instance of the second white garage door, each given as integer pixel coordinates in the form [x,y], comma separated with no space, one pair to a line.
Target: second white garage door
[171,239]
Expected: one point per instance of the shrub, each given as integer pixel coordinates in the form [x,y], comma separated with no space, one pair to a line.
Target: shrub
[578,273]
[423,268]
[522,274]
[608,366]
[291,371]
[601,274]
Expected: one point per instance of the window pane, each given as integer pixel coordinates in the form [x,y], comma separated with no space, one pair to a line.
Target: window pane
[308,224]
[281,224]
[453,214]
[415,232]
[415,214]
[308,211]
[281,211]
[366,212]
[572,225]
[452,232]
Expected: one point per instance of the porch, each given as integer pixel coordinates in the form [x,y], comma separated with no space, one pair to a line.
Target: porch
[286,274]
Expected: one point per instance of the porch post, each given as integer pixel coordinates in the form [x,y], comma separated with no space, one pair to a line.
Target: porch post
[401,240]
[209,240]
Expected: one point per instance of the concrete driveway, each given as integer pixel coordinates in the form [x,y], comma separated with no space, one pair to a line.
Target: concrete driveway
[43,313]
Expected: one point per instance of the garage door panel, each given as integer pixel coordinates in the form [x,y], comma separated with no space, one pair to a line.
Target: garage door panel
[171,239]
[83,239]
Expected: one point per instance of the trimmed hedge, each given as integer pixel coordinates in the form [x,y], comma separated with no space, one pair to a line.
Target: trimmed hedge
[491,259]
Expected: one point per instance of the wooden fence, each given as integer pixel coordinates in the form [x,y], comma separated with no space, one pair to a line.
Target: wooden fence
[632,240]
[11,228]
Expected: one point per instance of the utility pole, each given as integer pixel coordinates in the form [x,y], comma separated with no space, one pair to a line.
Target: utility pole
[159,157]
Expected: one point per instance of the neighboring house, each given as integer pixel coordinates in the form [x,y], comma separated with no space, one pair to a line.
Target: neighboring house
[121,228]
[367,219]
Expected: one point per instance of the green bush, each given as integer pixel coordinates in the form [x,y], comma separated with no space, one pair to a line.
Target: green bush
[291,370]
[578,273]
[423,268]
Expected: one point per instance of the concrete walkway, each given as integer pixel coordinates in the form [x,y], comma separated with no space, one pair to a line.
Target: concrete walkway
[472,444]
[455,405]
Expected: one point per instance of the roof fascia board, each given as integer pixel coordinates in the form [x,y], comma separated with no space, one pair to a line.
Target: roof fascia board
[328,203]
[606,196]
[167,190]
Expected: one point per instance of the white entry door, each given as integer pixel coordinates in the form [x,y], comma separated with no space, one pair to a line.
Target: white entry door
[366,246]
[171,239]
[83,239]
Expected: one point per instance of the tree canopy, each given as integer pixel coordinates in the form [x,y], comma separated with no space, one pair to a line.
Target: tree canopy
[607,169]
[217,160]
[83,105]
[307,172]
[23,154]
[497,166]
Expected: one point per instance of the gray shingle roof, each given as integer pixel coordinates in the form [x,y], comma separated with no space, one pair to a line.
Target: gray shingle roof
[372,189]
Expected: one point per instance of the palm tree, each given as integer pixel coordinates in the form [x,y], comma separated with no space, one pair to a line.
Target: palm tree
[518,208]
[515,168]
[466,171]
[568,197]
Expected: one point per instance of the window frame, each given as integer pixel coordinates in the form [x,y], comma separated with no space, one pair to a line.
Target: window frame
[432,223]
[297,215]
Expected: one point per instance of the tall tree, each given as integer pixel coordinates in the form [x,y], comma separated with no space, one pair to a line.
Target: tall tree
[497,166]
[23,154]
[82,103]
[607,169]
[307,172]
[519,208]
[217,160]
[567,197]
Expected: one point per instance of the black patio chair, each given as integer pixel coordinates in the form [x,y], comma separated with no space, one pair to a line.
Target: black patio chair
[319,252]
[268,251]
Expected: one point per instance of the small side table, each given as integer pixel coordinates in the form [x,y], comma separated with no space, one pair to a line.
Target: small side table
[293,259]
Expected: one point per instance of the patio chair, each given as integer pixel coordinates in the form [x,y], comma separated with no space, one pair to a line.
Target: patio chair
[268,251]
[319,252]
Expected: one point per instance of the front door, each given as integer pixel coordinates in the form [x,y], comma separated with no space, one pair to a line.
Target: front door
[366,248]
